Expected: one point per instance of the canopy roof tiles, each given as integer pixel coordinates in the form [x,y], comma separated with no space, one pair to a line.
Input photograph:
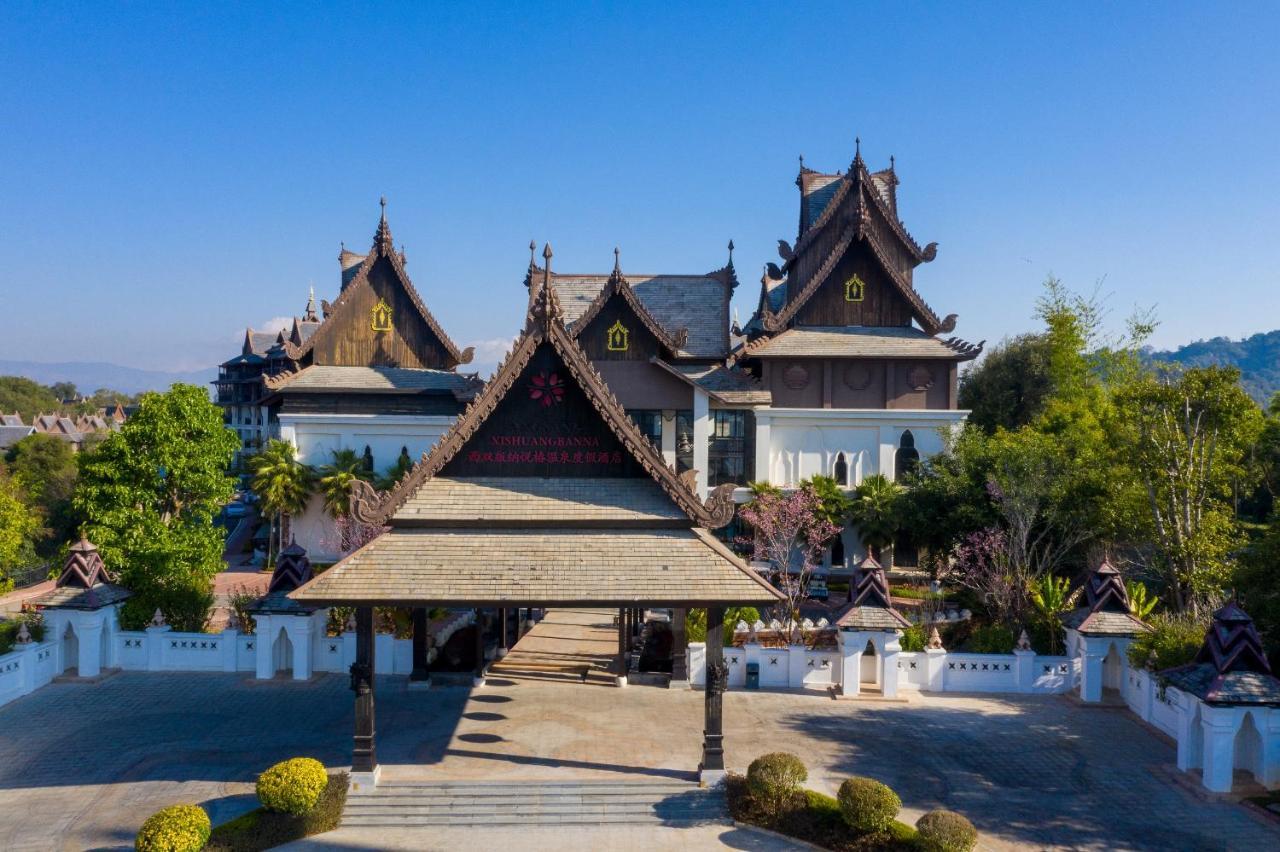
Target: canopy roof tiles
[398,380]
[1231,667]
[871,607]
[861,342]
[85,582]
[727,385]
[1106,610]
[548,567]
[445,501]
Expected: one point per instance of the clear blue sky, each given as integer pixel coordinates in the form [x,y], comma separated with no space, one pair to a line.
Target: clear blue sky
[170,174]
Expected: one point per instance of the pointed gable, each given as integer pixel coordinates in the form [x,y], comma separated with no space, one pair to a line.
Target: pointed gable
[379,320]
[617,326]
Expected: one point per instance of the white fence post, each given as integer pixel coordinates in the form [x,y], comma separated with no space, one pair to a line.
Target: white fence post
[155,647]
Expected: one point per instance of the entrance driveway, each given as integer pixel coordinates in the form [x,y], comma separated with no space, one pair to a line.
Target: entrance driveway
[81,765]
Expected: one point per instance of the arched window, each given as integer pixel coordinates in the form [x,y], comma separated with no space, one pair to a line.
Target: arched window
[367,459]
[841,471]
[907,458]
[837,553]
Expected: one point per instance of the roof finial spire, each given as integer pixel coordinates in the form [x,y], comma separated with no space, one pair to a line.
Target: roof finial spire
[891,162]
[310,314]
[617,264]
[802,162]
[382,239]
[533,252]
[730,252]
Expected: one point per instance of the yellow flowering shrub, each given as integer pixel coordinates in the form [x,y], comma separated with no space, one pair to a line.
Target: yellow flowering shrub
[180,828]
[292,786]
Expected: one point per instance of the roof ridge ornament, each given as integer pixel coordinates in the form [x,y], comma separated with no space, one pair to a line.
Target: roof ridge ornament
[382,242]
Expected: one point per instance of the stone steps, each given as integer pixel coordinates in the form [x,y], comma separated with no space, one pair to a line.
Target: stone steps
[463,803]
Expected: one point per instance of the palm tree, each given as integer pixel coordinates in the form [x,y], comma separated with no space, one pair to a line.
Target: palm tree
[283,485]
[876,511]
[336,478]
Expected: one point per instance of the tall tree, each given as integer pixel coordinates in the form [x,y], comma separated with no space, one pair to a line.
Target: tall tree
[283,484]
[1010,387]
[25,397]
[45,468]
[1188,442]
[148,495]
[19,526]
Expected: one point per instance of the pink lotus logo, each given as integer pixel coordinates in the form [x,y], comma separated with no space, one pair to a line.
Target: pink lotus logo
[548,389]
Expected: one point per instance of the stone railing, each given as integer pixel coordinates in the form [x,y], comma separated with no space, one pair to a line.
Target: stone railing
[27,668]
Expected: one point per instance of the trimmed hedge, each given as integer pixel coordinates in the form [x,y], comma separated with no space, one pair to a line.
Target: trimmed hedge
[292,786]
[263,829]
[867,805]
[179,828]
[815,818]
[774,779]
[946,831]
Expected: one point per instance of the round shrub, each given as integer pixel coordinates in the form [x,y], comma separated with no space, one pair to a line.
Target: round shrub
[180,828]
[867,805]
[946,831]
[292,786]
[775,778]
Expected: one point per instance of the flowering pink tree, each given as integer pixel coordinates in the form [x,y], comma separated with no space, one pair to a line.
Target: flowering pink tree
[790,532]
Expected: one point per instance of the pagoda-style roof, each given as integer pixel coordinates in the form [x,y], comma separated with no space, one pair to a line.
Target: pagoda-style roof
[870,607]
[375,380]
[293,570]
[1106,610]
[1231,666]
[342,313]
[543,491]
[687,313]
[84,582]
[728,385]
[860,342]
[837,212]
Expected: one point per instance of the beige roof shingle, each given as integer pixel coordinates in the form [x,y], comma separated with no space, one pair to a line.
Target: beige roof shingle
[854,342]
[443,500]
[373,380]
[456,567]
[694,302]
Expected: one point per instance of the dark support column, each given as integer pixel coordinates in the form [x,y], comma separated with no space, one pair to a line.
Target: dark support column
[712,768]
[363,757]
[504,636]
[479,674]
[420,638]
[679,647]
[622,647]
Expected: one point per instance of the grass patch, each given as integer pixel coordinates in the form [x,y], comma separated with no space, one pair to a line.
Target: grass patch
[815,818]
[262,829]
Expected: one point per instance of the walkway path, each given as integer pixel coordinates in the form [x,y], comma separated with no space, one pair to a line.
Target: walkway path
[82,765]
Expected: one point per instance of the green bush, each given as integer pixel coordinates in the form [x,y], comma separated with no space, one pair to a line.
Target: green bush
[945,831]
[914,638]
[868,806]
[992,639]
[292,786]
[695,623]
[180,828]
[9,631]
[774,779]
[263,829]
[1174,640]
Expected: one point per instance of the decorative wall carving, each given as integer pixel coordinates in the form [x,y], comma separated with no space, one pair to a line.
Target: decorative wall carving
[796,377]
[920,378]
[857,376]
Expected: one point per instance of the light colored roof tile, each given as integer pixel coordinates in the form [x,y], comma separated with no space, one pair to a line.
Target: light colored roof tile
[695,302]
[375,380]
[532,499]
[855,342]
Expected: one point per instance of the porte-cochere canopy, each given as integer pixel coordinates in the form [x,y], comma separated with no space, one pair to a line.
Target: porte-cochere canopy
[546,493]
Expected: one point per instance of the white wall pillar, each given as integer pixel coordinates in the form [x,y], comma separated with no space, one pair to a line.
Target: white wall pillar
[1270,731]
[701,437]
[1219,725]
[229,649]
[889,665]
[888,449]
[1024,664]
[763,453]
[265,630]
[797,665]
[1188,755]
[935,660]
[156,637]
[850,646]
[88,627]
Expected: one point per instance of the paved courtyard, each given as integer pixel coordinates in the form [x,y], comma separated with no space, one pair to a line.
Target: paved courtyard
[81,765]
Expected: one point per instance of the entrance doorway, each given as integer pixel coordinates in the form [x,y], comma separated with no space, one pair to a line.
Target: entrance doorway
[869,673]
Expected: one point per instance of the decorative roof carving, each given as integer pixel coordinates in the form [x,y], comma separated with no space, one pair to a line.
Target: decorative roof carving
[543,324]
[293,568]
[1105,610]
[1231,667]
[870,606]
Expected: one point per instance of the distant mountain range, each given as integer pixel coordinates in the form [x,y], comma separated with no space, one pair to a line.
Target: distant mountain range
[88,376]
[1257,358]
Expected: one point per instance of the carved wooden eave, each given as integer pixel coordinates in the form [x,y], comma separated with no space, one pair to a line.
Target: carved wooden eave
[544,324]
[333,312]
[966,350]
[617,285]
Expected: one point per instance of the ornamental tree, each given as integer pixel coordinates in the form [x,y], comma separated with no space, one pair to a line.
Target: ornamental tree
[148,495]
[790,532]
[18,526]
[283,485]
